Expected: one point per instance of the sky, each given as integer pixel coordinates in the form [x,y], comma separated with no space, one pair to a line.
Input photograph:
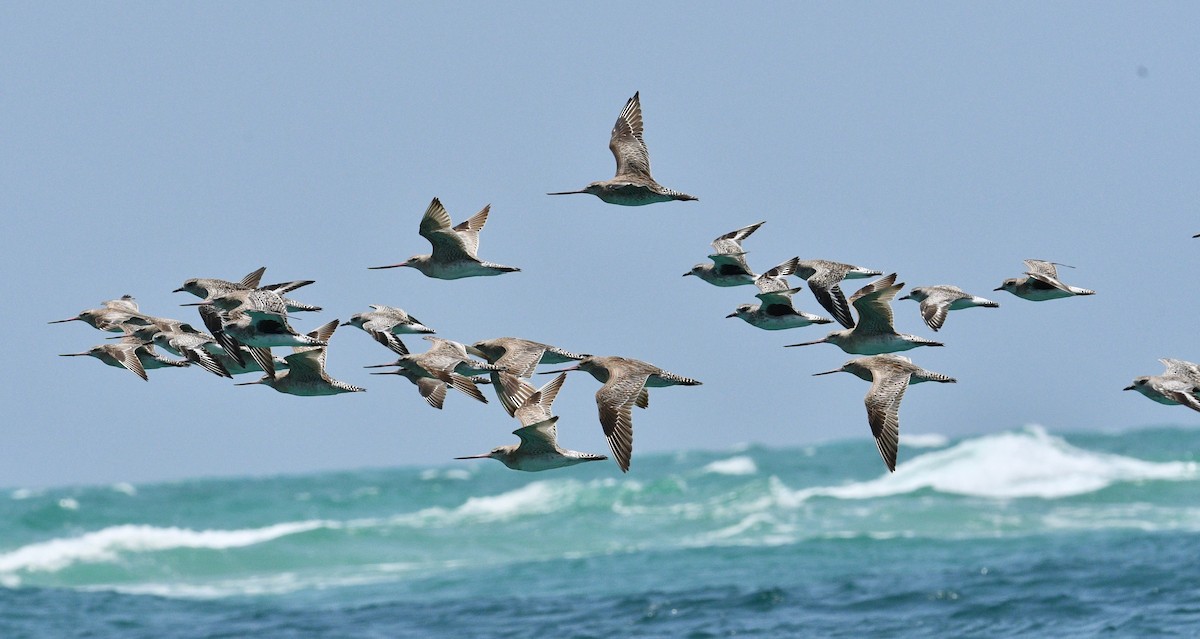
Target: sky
[147,143]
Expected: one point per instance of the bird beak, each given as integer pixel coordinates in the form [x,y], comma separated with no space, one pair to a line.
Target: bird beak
[69,319]
[687,274]
[1000,288]
[344,324]
[836,370]
[483,456]
[250,383]
[567,192]
[198,304]
[381,365]
[178,290]
[731,315]
[906,297]
[404,263]
[561,370]
[1127,388]
[820,341]
[74,354]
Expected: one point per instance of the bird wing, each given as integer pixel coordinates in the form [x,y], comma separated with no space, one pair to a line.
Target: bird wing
[514,393]
[883,411]
[521,359]
[435,227]
[433,390]
[307,363]
[616,400]
[824,284]
[1044,273]
[126,355]
[468,231]
[626,142]
[731,263]
[1181,368]
[538,438]
[874,305]
[732,238]
[253,278]
[935,307]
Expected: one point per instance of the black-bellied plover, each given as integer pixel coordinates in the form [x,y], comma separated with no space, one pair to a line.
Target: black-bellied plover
[625,382]
[824,276]
[385,323]
[454,248]
[874,333]
[1041,283]
[539,449]
[256,317]
[890,376]
[209,288]
[776,312]
[1178,384]
[728,267]
[306,376]
[519,357]
[632,185]
[938,301]
[130,354]
[197,348]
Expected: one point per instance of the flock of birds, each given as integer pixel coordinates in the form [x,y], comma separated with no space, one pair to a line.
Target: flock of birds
[245,320]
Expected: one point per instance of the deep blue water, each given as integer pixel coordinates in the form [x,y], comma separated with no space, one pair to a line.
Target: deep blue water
[1014,534]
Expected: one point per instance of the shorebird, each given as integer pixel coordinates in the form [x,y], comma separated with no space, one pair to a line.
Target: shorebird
[385,323]
[234,356]
[112,316]
[823,278]
[625,382]
[209,288]
[874,333]
[431,388]
[1041,283]
[890,376]
[256,317]
[632,185]
[938,301]
[132,355]
[446,361]
[454,248]
[306,374]
[776,312]
[1178,384]
[197,348]
[728,266]
[539,449]
[519,357]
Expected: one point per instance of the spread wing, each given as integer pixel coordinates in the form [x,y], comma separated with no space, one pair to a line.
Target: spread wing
[616,400]
[468,231]
[539,438]
[447,244]
[307,363]
[1181,368]
[825,287]
[521,359]
[1044,272]
[626,142]
[874,304]
[433,390]
[883,412]
[126,355]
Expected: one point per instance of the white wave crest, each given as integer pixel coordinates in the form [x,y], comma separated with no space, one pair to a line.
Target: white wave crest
[107,544]
[740,465]
[924,440]
[1028,463]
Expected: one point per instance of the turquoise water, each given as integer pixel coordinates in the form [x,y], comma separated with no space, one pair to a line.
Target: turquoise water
[1020,533]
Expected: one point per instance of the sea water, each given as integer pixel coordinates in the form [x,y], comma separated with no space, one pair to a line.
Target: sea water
[1015,534]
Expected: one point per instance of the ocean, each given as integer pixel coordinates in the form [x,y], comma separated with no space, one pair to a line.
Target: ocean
[1023,533]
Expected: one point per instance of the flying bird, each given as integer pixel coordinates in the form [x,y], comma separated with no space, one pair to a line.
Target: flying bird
[824,277]
[890,376]
[728,266]
[454,248]
[1041,283]
[874,333]
[632,185]
[938,301]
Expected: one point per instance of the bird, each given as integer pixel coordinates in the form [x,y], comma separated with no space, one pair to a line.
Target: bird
[874,333]
[890,376]
[775,312]
[632,185]
[519,357]
[197,348]
[306,376]
[539,449]
[432,389]
[1178,384]
[823,277]
[454,248]
[208,288]
[112,316]
[625,382]
[728,266]
[256,317]
[133,355]
[446,361]
[938,301]
[385,323]
[1041,283]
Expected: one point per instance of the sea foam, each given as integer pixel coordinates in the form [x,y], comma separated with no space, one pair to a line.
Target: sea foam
[740,465]
[1027,463]
[107,544]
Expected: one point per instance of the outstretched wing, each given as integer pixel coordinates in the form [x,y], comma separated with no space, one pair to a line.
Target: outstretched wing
[615,400]
[883,412]
[435,226]
[626,142]
[539,438]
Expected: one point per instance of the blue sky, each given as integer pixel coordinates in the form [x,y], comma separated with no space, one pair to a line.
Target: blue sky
[146,143]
